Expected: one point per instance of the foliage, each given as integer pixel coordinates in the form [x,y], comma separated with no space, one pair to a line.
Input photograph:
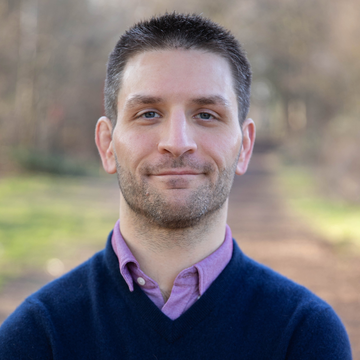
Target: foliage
[35,161]
[335,220]
[304,56]
[340,165]
[43,217]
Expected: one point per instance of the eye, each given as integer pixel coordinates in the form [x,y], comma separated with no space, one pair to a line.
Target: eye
[204,116]
[150,115]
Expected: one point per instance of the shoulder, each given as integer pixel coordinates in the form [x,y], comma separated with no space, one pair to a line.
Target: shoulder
[263,282]
[71,288]
[61,309]
[81,285]
[74,285]
[305,323]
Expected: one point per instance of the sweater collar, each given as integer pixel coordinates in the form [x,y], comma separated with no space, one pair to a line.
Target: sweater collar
[151,316]
[204,272]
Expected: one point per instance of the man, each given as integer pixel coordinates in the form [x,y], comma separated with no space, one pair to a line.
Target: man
[171,283]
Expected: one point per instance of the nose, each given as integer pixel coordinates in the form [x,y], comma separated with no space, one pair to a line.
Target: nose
[177,136]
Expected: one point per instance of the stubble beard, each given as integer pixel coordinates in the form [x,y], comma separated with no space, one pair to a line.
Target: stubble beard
[150,203]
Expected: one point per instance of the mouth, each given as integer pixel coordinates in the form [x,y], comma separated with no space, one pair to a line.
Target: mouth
[177,178]
[177,173]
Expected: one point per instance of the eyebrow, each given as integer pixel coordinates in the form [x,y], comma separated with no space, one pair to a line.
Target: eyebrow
[142,100]
[149,100]
[211,100]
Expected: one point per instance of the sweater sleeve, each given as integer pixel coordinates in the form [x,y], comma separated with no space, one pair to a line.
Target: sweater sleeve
[320,336]
[25,335]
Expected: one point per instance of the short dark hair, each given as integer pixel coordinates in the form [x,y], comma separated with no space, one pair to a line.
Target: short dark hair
[177,31]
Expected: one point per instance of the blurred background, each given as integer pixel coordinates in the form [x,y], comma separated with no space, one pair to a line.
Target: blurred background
[56,205]
[304,55]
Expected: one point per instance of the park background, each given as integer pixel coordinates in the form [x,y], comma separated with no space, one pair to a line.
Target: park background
[302,193]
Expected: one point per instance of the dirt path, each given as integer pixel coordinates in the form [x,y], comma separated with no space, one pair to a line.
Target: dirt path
[268,232]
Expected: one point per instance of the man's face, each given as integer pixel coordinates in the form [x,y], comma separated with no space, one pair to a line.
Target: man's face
[177,139]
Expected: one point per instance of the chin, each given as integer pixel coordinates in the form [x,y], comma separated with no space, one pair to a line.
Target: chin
[175,219]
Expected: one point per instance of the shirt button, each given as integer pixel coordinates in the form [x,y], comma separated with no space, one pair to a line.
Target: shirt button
[140,281]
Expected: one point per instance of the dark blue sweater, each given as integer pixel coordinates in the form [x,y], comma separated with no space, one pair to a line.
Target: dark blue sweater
[249,312]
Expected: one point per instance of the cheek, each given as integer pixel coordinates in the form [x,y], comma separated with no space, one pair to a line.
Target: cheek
[133,147]
[224,149]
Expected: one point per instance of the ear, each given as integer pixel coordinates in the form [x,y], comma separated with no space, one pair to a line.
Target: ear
[248,140]
[103,140]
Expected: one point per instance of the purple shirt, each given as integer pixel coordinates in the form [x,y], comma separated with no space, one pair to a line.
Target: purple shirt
[188,286]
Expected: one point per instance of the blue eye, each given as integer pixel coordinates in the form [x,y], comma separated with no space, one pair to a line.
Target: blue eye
[204,116]
[150,115]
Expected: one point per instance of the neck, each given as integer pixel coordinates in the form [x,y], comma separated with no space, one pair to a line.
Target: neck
[162,252]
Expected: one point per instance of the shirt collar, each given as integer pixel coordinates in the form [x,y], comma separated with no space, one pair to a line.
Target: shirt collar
[124,255]
[211,267]
[206,270]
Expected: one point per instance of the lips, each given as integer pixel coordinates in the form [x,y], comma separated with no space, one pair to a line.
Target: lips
[177,172]
[176,179]
[177,167]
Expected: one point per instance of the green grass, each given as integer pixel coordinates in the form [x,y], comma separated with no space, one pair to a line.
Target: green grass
[337,221]
[44,217]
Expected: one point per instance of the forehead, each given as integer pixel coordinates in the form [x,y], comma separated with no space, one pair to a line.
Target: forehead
[177,73]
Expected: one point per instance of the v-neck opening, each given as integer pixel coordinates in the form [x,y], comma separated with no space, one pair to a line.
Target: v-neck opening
[153,317]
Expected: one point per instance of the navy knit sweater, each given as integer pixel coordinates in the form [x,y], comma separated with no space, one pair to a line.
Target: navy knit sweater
[249,312]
